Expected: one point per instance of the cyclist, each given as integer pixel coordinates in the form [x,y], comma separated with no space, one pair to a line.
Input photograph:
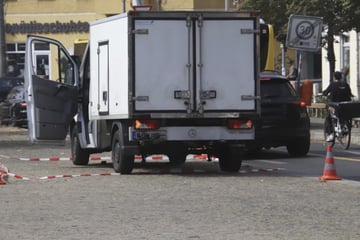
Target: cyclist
[339,91]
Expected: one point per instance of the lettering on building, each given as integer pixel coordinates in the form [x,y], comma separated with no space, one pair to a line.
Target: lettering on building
[45,28]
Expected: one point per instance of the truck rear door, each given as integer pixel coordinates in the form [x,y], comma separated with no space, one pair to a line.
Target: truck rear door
[51,89]
[163,63]
[195,63]
[225,65]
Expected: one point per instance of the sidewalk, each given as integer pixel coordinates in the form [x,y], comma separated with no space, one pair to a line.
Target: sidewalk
[317,131]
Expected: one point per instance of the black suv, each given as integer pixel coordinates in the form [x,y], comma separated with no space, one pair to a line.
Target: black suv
[284,119]
[13,108]
[7,83]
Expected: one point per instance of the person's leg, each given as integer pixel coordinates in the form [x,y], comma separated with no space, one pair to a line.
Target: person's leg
[328,125]
[329,129]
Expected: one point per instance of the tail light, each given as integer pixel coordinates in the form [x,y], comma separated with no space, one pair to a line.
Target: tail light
[23,104]
[240,124]
[302,104]
[146,124]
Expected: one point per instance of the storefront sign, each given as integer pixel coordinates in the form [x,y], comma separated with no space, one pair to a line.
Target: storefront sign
[44,28]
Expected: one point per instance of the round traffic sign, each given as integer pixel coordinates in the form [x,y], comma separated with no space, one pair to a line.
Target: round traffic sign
[304,30]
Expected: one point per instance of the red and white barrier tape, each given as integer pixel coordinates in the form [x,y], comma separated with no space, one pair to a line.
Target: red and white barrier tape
[4,173]
[137,158]
[35,159]
[58,159]
[61,176]
[184,170]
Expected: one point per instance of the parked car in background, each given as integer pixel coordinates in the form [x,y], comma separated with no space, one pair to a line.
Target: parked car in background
[7,83]
[284,119]
[13,108]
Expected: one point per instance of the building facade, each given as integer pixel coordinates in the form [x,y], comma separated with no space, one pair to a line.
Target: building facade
[68,21]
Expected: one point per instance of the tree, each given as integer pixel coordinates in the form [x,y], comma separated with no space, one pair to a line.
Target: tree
[339,16]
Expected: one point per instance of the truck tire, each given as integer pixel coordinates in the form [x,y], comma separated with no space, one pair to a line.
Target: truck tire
[122,162]
[230,158]
[79,156]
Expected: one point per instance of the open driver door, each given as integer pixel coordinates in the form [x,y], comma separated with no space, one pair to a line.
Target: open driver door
[51,80]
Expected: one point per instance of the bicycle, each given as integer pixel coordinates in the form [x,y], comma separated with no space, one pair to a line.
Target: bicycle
[341,126]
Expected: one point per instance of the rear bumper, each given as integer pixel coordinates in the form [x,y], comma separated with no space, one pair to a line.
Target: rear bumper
[273,136]
[193,133]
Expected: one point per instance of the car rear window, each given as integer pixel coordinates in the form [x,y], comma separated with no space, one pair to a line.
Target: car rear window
[276,88]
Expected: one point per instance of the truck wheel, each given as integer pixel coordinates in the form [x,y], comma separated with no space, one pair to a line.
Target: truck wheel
[230,158]
[300,147]
[122,162]
[79,156]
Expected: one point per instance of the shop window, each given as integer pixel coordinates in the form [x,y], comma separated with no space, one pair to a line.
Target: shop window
[11,47]
[21,47]
[15,57]
[42,66]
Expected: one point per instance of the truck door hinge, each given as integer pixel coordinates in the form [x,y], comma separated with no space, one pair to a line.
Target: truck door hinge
[249,31]
[182,94]
[200,21]
[208,94]
[188,21]
[141,98]
[249,98]
[142,31]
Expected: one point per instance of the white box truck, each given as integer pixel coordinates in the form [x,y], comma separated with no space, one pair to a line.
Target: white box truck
[168,83]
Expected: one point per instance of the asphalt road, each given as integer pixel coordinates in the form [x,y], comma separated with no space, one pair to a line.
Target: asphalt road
[273,197]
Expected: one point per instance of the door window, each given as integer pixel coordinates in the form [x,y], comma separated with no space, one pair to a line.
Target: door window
[52,63]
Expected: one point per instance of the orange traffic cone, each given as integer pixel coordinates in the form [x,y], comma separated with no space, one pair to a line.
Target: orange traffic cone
[329,168]
[3,174]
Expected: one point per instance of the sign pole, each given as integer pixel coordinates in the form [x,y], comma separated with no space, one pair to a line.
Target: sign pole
[299,63]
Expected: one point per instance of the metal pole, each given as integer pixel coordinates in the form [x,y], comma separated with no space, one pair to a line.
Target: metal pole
[124,5]
[283,64]
[299,65]
[2,41]
[227,5]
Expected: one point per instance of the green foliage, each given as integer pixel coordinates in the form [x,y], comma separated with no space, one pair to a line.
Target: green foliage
[338,16]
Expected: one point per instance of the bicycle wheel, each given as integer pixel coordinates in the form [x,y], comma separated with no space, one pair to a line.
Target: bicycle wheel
[344,137]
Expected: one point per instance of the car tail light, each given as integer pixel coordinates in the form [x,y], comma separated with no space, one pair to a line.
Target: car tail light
[23,104]
[239,124]
[302,104]
[146,124]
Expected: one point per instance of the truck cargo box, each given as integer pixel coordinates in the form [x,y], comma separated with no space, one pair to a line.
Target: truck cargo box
[174,64]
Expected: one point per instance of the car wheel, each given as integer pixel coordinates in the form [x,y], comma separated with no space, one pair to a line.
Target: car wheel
[79,156]
[299,147]
[229,158]
[122,162]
